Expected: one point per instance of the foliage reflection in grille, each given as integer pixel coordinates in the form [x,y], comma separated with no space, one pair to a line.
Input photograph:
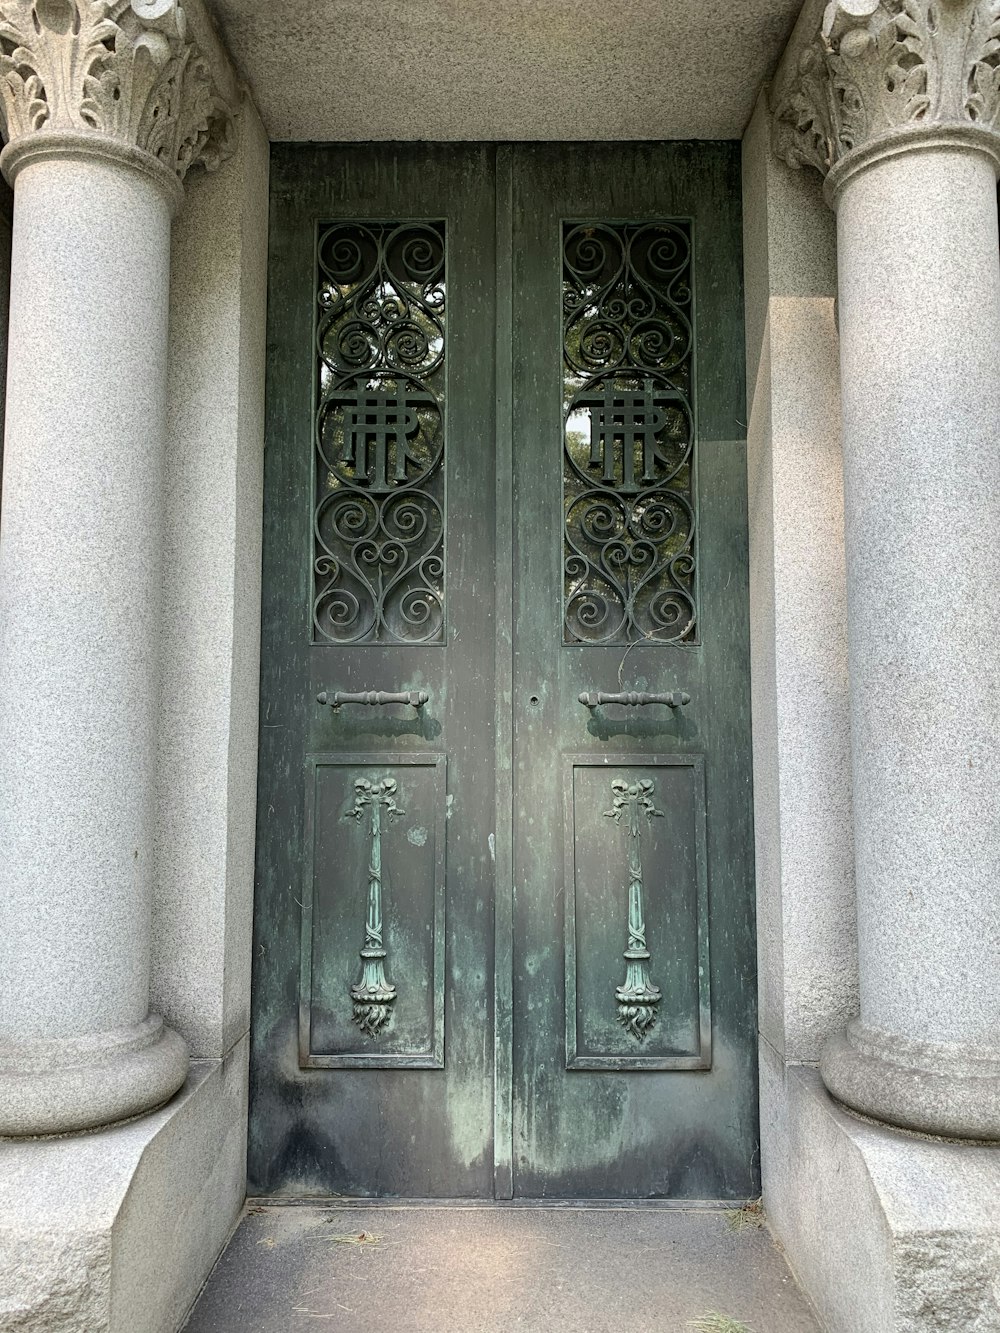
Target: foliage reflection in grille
[378,530]
[628,474]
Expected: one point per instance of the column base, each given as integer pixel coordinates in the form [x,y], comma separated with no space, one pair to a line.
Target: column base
[949,1090]
[59,1087]
[887,1232]
[115,1231]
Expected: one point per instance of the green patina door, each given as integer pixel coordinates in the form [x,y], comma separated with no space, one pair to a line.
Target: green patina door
[504,939]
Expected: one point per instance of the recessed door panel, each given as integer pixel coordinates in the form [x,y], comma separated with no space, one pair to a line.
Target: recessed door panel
[373,913]
[637,930]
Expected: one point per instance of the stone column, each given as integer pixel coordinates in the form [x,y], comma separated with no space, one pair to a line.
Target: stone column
[897,103]
[105,106]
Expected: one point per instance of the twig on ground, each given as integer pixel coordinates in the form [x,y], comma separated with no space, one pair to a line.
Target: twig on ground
[748,1218]
[713,1322]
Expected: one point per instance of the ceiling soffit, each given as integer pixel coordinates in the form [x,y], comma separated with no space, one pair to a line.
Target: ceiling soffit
[336,70]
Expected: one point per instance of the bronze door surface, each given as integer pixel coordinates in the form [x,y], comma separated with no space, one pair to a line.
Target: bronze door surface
[503,929]
[633,1000]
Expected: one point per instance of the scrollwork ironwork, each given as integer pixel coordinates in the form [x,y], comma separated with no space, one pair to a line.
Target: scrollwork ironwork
[628,488]
[378,526]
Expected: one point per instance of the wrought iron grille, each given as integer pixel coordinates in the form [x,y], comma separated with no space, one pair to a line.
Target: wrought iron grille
[378,523]
[628,459]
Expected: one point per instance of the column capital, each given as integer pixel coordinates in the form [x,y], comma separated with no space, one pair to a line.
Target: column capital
[117,77]
[866,79]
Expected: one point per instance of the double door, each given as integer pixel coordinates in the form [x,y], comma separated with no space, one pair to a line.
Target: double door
[504,937]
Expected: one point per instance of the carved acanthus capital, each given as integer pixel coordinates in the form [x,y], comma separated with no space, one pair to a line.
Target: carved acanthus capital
[873,68]
[123,69]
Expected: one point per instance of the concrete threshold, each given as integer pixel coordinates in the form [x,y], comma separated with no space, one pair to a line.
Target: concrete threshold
[469,1267]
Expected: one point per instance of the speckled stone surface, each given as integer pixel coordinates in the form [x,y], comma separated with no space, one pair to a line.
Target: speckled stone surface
[507,70]
[920,342]
[807,946]
[889,1232]
[789,234]
[114,1232]
[79,611]
[490,1270]
[6,216]
[210,623]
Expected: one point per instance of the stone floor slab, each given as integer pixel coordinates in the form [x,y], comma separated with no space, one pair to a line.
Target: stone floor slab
[490,1269]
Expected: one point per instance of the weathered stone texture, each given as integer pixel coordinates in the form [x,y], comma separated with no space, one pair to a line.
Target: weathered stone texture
[889,1233]
[948,1283]
[52,1282]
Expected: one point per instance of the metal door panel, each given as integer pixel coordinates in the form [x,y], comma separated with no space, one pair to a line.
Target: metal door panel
[326,1118]
[604,1126]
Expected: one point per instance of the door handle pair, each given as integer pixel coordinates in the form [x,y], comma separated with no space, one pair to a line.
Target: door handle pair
[417,698]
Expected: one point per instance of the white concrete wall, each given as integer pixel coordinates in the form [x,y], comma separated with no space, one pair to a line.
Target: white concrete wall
[806,918]
[202,918]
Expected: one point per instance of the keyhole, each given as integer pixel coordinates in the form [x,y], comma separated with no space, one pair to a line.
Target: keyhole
[534,701]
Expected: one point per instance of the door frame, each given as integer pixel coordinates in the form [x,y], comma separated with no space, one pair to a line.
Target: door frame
[502,848]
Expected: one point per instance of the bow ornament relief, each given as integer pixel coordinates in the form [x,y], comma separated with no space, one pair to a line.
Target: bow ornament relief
[121,68]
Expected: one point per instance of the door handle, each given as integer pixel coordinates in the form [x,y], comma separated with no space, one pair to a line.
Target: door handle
[635,699]
[373,698]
